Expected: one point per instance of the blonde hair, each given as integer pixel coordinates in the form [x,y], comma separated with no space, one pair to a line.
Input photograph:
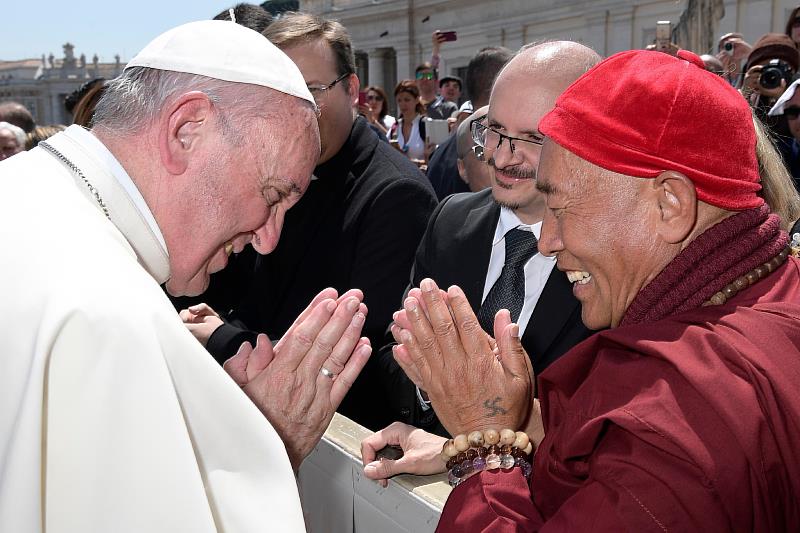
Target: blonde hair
[777,187]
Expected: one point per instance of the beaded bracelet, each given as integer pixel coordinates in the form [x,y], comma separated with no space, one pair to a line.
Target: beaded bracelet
[467,455]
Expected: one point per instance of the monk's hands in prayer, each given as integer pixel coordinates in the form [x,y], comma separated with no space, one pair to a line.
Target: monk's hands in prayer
[202,321]
[473,382]
[421,452]
[287,383]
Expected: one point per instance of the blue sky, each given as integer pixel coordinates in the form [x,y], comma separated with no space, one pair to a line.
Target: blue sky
[31,29]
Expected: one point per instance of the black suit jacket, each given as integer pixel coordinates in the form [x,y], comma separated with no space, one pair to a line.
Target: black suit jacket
[455,250]
[357,226]
[443,169]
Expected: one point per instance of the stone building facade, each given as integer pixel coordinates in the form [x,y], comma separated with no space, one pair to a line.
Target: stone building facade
[42,84]
[391,37]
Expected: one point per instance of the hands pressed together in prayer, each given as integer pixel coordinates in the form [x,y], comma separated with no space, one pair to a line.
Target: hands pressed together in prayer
[474,381]
[299,383]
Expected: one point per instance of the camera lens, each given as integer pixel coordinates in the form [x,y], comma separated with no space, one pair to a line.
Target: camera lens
[728,46]
[771,78]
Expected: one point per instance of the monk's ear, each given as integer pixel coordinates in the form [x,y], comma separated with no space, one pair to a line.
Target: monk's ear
[677,204]
[184,126]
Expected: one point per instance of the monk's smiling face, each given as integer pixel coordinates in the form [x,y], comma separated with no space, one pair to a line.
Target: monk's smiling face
[599,224]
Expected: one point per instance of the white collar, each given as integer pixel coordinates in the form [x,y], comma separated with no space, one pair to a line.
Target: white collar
[91,142]
[509,220]
[131,218]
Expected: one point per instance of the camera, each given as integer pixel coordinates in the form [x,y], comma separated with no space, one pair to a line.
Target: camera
[775,71]
[728,48]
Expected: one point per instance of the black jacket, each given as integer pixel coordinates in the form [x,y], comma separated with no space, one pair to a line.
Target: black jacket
[443,170]
[455,250]
[357,226]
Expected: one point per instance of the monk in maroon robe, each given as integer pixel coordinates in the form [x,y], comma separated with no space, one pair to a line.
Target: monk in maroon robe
[685,415]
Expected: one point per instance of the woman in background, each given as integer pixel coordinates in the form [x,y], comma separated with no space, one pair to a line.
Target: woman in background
[406,131]
[377,109]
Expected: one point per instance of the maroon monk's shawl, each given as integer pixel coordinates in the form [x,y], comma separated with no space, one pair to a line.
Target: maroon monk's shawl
[683,418]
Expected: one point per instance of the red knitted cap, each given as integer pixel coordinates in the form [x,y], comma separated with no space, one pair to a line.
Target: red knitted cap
[641,112]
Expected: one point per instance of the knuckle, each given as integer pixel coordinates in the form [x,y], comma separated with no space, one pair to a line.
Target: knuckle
[323,345]
[442,329]
[338,362]
[302,338]
[344,381]
[427,343]
[396,425]
[469,325]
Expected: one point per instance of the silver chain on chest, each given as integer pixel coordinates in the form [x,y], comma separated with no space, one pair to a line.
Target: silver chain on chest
[74,168]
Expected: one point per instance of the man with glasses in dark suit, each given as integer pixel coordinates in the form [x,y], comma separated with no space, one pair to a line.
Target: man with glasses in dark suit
[486,243]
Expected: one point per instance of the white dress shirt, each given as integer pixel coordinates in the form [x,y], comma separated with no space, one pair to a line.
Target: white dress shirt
[537,269]
[414,147]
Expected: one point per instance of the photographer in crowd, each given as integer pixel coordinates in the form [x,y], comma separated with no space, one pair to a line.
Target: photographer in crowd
[732,50]
[769,70]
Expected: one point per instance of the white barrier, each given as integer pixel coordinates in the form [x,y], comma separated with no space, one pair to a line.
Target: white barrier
[337,498]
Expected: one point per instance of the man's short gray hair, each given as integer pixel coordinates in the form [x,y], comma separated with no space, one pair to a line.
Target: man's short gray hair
[18,132]
[133,100]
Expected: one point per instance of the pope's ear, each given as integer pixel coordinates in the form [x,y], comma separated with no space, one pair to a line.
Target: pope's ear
[676,199]
[183,125]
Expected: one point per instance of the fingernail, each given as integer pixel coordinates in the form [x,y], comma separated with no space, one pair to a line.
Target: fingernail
[411,304]
[514,331]
[330,306]
[426,285]
[395,315]
[366,350]
[405,336]
[352,304]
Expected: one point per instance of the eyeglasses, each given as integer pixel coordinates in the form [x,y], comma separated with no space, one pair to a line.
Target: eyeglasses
[491,139]
[425,76]
[320,90]
[792,112]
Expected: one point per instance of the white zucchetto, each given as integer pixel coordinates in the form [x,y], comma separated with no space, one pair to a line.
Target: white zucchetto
[226,51]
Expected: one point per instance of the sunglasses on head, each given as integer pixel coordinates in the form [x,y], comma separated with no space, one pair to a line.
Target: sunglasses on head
[792,112]
[425,75]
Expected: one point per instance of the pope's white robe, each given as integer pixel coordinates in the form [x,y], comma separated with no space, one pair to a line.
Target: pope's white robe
[113,417]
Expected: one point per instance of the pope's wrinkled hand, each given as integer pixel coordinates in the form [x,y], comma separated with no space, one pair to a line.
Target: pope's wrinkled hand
[421,452]
[299,383]
[473,382]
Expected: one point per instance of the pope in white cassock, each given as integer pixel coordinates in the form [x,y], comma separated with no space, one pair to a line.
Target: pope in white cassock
[112,416]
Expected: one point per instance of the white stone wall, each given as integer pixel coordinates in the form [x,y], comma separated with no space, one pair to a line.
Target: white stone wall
[608,26]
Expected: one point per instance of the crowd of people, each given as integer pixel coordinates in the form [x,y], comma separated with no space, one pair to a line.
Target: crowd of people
[583,304]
